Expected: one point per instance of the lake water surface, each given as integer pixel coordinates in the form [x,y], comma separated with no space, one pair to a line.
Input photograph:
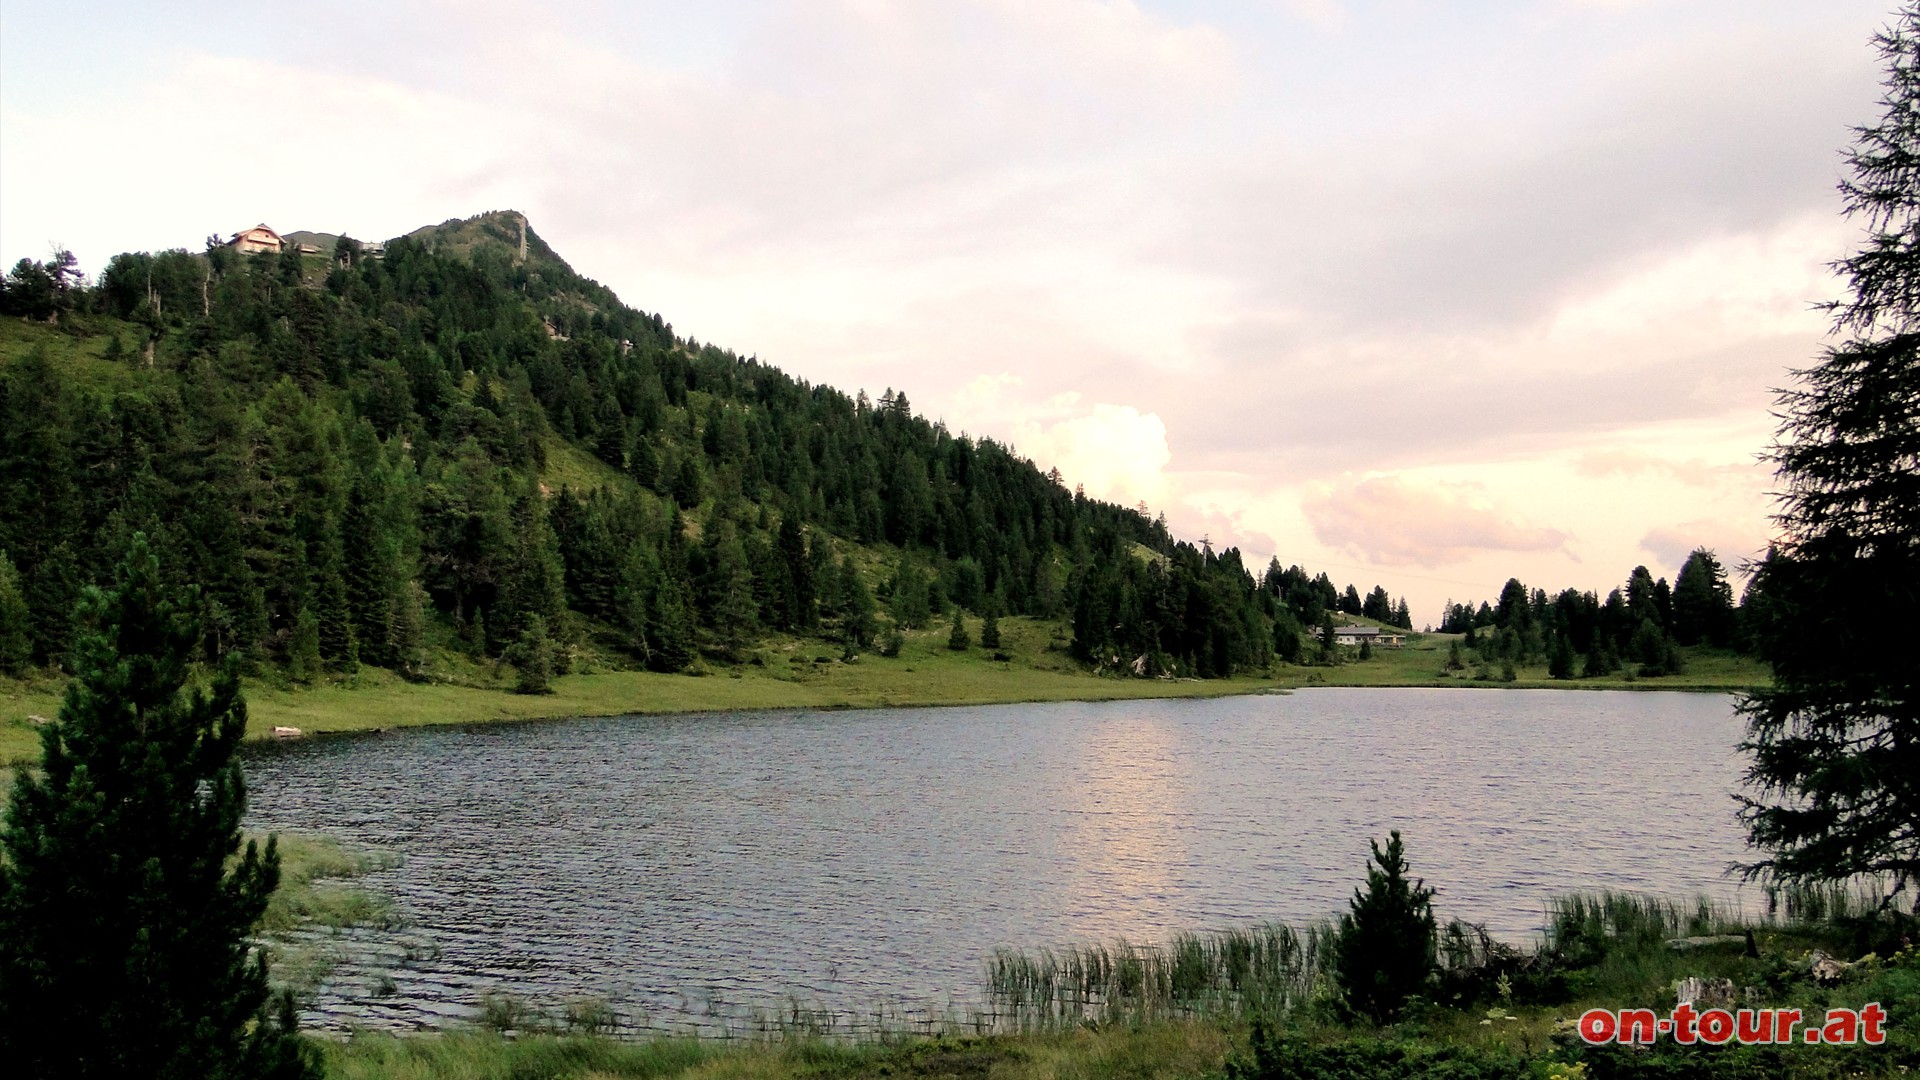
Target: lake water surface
[694,865]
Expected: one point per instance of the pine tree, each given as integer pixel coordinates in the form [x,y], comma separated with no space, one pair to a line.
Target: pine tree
[303,649]
[688,486]
[368,579]
[799,567]
[643,464]
[409,622]
[534,584]
[856,606]
[639,580]
[483,397]
[1702,602]
[1385,947]
[990,629]
[1560,658]
[957,638]
[16,632]
[126,897]
[910,603]
[1286,636]
[730,583]
[50,592]
[532,659]
[335,617]
[611,439]
[1835,741]
[670,639]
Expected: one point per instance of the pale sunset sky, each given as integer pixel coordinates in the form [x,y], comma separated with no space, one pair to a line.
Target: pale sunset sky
[1424,294]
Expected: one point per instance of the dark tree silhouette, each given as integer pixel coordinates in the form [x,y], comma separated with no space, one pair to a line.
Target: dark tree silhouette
[125,894]
[1835,742]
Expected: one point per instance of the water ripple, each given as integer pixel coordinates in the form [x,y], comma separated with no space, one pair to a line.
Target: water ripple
[690,867]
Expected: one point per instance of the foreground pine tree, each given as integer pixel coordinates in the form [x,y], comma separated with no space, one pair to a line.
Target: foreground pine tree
[125,895]
[1835,742]
[1385,948]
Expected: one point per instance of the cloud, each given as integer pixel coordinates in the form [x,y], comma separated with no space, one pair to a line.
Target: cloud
[1321,14]
[1197,520]
[1693,472]
[1176,259]
[1438,215]
[1117,451]
[1394,522]
[1733,544]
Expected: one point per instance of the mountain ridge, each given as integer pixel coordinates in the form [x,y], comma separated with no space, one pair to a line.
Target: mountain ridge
[455,451]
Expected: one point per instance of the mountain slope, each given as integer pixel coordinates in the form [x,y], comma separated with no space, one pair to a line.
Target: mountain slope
[454,450]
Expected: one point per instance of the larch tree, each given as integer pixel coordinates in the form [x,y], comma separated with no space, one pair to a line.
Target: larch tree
[1834,779]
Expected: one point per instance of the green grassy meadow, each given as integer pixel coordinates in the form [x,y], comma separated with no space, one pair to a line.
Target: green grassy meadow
[1172,1051]
[1422,661]
[807,673]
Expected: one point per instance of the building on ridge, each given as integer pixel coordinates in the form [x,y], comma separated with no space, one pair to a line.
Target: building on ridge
[258,238]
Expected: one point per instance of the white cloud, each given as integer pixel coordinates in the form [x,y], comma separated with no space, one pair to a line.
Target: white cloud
[1735,544]
[1208,269]
[1692,471]
[1395,522]
[1117,451]
[1323,14]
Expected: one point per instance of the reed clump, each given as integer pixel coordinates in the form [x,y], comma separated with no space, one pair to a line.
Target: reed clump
[1257,971]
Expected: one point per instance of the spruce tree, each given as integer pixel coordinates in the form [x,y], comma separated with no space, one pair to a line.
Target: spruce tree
[303,649]
[611,437]
[370,598]
[799,566]
[910,603]
[957,638]
[688,486]
[638,581]
[730,584]
[1384,950]
[1836,739]
[50,591]
[335,617]
[126,896]
[1702,602]
[643,464]
[990,630]
[16,632]
[856,605]
[409,631]
[670,635]
[532,659]
[1560,658]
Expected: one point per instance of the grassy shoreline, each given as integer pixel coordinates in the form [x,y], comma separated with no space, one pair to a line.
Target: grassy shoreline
[1258,1005]
[808,674]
